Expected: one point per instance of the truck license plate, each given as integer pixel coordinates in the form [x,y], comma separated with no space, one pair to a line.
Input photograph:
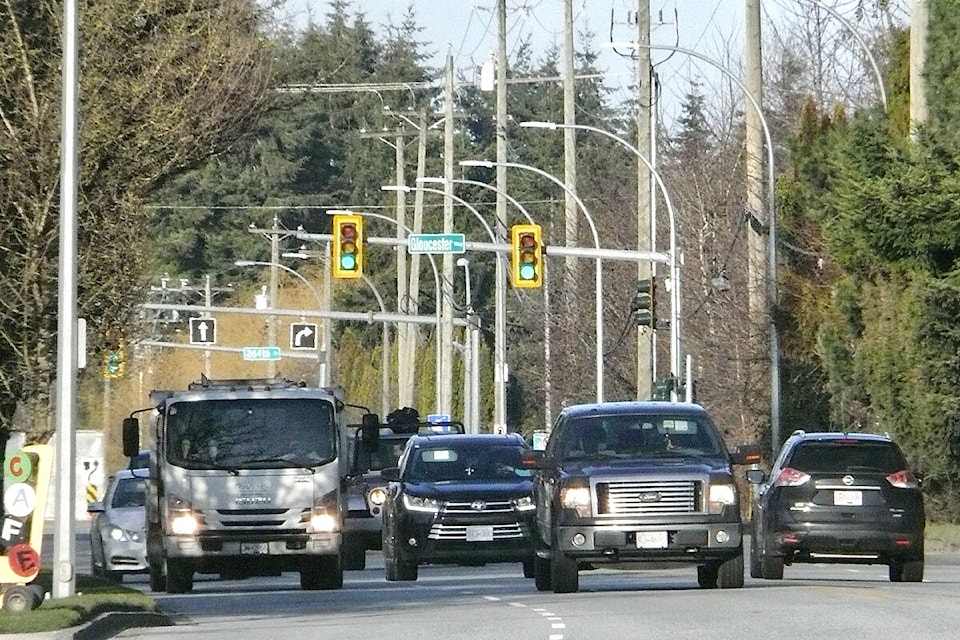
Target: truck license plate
[848,498]
[254,548]
[480,533]
[651,539]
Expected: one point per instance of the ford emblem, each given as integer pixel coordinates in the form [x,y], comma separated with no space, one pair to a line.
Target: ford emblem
[651,496]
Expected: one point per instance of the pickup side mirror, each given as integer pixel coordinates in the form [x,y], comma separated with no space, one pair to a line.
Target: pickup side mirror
[131,437]
[756,476]
[391,474]
[746,454]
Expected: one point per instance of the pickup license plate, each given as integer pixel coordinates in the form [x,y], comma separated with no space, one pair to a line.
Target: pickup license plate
[848,498]
[651,539]
[479,533]
[254,548]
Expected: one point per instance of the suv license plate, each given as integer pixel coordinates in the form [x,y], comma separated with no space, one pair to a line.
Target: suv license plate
[254,548]
[651,539]
[848,498]
[479,533]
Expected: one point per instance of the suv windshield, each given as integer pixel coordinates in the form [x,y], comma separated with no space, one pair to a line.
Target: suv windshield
[632,436]
[840,456]
[451,463]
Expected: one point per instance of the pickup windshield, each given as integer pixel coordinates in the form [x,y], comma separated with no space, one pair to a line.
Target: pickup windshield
[250,433]
[636,436]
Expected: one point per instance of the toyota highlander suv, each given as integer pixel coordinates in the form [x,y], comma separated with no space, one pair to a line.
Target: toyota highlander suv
[838,498]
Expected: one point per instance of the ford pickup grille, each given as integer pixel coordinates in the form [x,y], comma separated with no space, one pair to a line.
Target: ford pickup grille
[648,497]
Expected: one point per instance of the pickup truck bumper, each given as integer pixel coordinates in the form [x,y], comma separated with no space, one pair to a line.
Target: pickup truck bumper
[674,542]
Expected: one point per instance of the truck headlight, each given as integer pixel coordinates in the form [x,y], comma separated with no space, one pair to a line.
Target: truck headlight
[722,495]
[180,514]
[416,503]
[322,522]
[576,497]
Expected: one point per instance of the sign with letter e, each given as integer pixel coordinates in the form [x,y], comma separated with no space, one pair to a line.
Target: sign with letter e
[26,480]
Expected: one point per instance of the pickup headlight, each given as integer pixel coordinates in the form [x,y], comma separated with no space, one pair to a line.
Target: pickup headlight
[416,503]
[721,495]
[377,496]
[576,497]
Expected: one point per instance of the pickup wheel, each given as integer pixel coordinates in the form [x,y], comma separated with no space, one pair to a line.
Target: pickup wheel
[755,570]
[730,573]
[541,574]
[564,576]
[179,576]
[406,571]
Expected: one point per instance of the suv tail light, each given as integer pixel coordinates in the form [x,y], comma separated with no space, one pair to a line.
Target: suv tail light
[791,478]
[903,479]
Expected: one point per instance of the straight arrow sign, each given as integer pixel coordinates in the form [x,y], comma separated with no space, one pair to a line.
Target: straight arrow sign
[203,331]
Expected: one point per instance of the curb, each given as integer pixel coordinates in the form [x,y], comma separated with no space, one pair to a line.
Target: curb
[108,625]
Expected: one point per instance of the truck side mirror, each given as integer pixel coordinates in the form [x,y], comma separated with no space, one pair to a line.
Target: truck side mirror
[131,437]
[370,431]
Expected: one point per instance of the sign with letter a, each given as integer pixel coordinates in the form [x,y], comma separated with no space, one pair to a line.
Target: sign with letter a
[26,481]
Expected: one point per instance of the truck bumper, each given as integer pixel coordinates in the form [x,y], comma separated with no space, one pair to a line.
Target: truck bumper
[624,543]
[275,549]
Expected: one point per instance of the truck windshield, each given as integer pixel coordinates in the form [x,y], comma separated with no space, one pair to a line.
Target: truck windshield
[632,436]
[250,433]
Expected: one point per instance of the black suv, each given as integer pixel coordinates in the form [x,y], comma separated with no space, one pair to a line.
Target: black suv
[458,499]
[838,498]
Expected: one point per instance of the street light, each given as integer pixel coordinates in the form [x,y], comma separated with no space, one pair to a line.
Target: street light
[471,387]
[385,334]
[675,299]
[436,280]
[596,240]
[322,373]
[772,292]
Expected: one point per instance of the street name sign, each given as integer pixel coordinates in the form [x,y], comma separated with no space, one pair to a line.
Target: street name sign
[261,353]
[436,243]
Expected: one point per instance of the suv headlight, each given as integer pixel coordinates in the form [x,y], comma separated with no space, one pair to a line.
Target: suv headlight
[416,503]
[721,495]
[576,497]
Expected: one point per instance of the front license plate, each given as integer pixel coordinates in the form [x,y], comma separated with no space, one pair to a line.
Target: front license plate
[848,498]
[254,548]
[479,533]
[651,539]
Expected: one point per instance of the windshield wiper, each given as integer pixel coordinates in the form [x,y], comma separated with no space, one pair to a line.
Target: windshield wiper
[283,462]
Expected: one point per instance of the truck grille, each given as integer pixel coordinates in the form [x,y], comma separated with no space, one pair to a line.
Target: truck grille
[441,531]
[648,497]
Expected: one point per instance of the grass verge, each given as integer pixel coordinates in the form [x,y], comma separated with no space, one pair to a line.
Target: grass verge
[93,596]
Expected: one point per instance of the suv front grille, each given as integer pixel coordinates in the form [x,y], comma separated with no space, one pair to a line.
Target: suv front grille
[441,531]
[648,497]
[493,506]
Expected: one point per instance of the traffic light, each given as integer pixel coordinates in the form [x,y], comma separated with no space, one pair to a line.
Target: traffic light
[526,256]
[644,306]
[348,246]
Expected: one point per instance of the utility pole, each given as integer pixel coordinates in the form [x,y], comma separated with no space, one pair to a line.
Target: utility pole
[754,163]
[272,321]
[645,270]
[404,368]
[919,23]
[569,156]
[500,372]
[445,375]
[405,392]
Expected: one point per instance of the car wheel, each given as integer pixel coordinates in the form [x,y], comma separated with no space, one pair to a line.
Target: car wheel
[528,569]
[541,574]
[179,576]
[906,571]
[564,575]
[354,556]
[755,571]
[730,572]
[771,567]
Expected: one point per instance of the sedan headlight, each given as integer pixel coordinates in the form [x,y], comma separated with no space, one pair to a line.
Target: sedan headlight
[117,534]
[416,503]
[722,495]
[524,504]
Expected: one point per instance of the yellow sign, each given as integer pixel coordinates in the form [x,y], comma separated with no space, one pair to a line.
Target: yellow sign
[26,483]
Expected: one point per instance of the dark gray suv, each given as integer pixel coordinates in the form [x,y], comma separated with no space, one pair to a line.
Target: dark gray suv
[838,498]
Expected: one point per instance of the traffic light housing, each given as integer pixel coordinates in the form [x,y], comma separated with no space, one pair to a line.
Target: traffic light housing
[348,248]
[644,303]
[526,256]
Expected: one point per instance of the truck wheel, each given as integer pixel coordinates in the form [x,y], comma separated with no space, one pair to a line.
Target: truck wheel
[157,581]
[541,574]
[179,576]
[564,576]
[771,567]
[354,556]
[325,573]
[730,573]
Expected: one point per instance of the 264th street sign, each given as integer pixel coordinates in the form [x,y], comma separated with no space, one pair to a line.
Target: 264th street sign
[436,243]
[261,353]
